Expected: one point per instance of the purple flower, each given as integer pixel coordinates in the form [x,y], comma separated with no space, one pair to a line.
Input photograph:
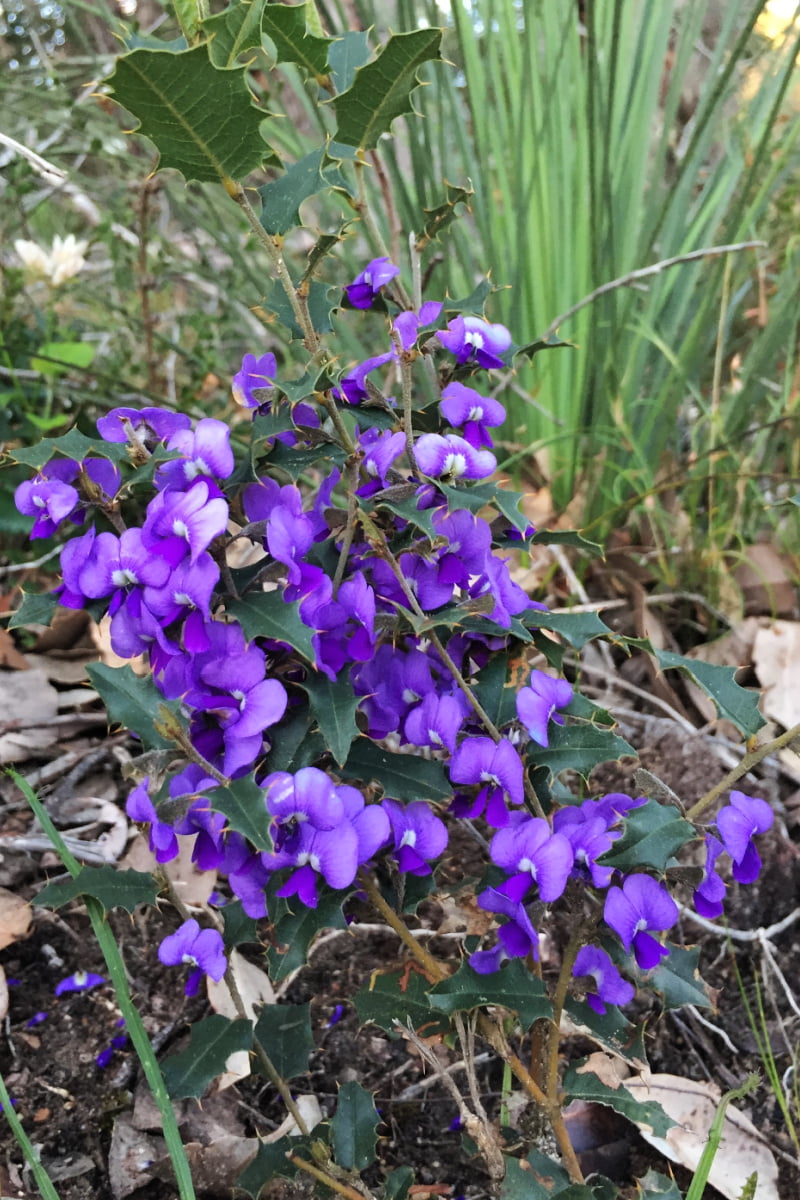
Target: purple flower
[366,285]
[738,823]
[709,895]
[253,373]
[140,808]
[202,949]
[517,937]
[589,836]
[335,1017]
[143,427]
[435,722]
[419,836]
[104,1057]
[49,501]
[609,986]
[463,406]
[407,324]
[36,1019]
[381,448]
[537,704]
[639,905]
[81,981]
[206,450]
[177,521]
[309,795]
[527,847]
[498,768]
[452,457]
[473,338]
[353,386]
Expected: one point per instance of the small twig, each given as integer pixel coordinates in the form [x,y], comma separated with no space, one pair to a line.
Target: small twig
[12,568]
[344,1189]
[47,169]
[742,935]
[353,469]
[750,760]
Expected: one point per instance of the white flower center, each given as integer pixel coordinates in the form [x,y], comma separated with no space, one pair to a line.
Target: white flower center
[409,838]
[123,577]
[476,413]
[475,339]
[455,464]
[180,529]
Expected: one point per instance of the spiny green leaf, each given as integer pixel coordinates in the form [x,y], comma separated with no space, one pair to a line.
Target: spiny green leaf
[474,302]
[345,55]
[295,932]
[266,614]
[37,608]
[202,120]
[579,748]
[533,348]
[581,1083]
[652,835]
[401,996]
[243,803]
[133,701]
[110,886]
[237,926]
[406,508]
[612,1031]
[397,1183]
[512,987]
[535,1177]
[576,628]
[354,1127]
[287,28]
[733,702]
[272,1160]
[281,199]
[73,444]
[678,979]
[284,1030]
[211,1043]
[496,694]
[566,537]
[294,744]
[437,219]
[334,705]
[402,776]
[232,32]
[382,89]
[295,462]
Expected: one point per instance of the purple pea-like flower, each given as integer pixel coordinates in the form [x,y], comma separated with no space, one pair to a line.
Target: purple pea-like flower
[81,981]
[609,986]
[206,451]
[472,338]
[367,284]
[537,704]
[738,823]
[641,904]
[529,848]
[381,448]
[710,893]
[435,722]
[48,500]
[143,427]
[463,406]
[177,521]
[517,936]
[353,386]
[253,373]
[419,836]
[498,768]
[309,795]
[451,457]
[407,324]
[140,808]
[202,949]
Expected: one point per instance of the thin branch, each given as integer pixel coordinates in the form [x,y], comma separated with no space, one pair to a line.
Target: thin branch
[750,760]
[47,169]
[644,273]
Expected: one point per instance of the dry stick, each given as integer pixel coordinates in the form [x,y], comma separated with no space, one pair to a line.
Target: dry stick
[146,284]
[388,200]
[343,1189]
[425,960]
[568,961]
[750,760]
[352,520]
[373,232]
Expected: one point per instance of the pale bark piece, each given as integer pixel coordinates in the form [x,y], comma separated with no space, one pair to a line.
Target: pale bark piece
[3,995]
[776,654]
[27,698]
[15,918]
[130,1157]
[692,1105]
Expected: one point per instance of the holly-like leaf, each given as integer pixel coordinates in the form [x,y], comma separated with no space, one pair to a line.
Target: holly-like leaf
[334,705]
[437,219]
[233,32]
[678,979]
[111,887]
[202,120]
[401,776]
[37,608]
[497,695]
[474,302]
[211,1043]
[237,926]
[243,803]
[281,199]
[272,1160]
[397,1183]
[406,507]
[533,348]
[295,932]
[284,1030]
[535,1177]
[580,748]
[566,537]
[287,28]
[581,1083]
[382,89]
[612,1031]
[733,702]
[345,55]
[652,835]
[267,614]
[401,996]
[512,987]
[132,701]
[73,444]
[354,1127]
[294,743]
[575,628]
[321,301]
